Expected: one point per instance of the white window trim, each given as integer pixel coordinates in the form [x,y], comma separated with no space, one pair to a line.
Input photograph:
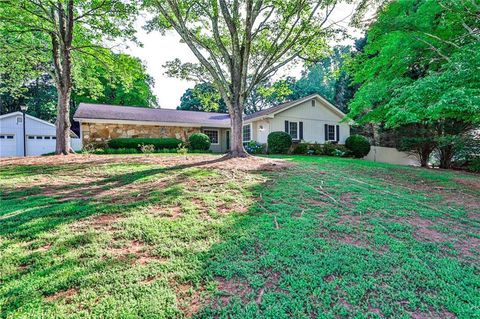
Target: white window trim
[298,130]
[218,135]
[251,132]
[334,133]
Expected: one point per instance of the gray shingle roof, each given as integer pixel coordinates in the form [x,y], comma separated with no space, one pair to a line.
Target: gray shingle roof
[129,113]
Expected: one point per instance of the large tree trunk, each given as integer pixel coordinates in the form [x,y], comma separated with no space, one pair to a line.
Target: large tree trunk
[236,147]
[63,123]
[446,155]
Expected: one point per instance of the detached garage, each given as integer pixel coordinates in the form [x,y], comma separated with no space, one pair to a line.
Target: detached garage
[40,136]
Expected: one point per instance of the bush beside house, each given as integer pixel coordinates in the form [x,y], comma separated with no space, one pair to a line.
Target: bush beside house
[279,142]
[135,143]
[358,145]
[199,142]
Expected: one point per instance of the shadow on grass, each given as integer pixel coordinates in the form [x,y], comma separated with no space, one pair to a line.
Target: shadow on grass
[28,211]
[298,253]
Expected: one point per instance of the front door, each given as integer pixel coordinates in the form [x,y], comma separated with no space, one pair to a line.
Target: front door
[228,139]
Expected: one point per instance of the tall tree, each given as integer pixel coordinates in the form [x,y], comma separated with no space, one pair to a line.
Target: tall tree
[203,97]
[54,37]
[420,67]
[241,43]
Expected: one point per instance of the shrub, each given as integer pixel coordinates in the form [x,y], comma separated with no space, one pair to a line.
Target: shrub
[254,147]
[301,149]
[474,165]
[328,149]
[358,145]
[199,141]
[279,142]
[158,143]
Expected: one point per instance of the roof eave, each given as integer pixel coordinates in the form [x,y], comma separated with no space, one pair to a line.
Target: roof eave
[181,124]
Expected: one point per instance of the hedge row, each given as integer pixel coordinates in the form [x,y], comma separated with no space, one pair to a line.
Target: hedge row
[159,143]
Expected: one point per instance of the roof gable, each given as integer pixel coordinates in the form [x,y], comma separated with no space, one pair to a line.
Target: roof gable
[33,118]
[272,111]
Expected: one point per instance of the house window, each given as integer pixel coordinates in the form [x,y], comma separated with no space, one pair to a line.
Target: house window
[31,137]
[313,103]
[46,137]
[8,137]
[293,130]
[247,133]
[38,137]
[213,135]
[331,133]
[19,119]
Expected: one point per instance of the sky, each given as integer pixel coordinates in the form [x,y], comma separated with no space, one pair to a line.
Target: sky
[158,49]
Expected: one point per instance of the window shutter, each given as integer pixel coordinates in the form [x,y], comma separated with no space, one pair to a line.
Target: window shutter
[338,133]
[326,132]
[286,126]
[300,124]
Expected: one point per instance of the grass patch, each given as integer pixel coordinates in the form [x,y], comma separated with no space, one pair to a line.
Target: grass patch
[327,238]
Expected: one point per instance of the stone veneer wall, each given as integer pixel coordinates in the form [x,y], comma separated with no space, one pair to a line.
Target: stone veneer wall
[99,133]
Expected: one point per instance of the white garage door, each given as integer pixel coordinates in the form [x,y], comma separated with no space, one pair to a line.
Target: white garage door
[40,144]
[8,145]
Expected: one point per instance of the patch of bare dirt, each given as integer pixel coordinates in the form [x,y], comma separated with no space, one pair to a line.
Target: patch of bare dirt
[101,222]
[137,250]
[432,315]
[63,294]
[233,287]
[350,220]
[474,183]
[347,199]
[190,299]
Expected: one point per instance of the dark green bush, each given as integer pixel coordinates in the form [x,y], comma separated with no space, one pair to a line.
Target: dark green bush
[159,143]
[199,142]
[301,149]
[328,149]
[279,142]
[474,165]
[358,145]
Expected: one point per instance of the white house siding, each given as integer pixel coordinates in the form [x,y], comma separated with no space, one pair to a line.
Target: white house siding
[40,136]
[314,119]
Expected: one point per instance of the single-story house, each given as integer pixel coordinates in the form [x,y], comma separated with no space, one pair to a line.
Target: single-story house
[310,119]
[40,136]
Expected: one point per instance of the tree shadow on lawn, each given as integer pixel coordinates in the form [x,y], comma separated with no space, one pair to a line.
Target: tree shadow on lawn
[299,254]
[296,253]
[45,266]
[28,211]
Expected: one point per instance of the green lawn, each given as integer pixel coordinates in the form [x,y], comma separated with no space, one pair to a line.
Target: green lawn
[111,236]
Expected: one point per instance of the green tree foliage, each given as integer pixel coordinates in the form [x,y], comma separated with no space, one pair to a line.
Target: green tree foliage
[40,94]
[203,97]
[420,66]
[241,44]
[60,38]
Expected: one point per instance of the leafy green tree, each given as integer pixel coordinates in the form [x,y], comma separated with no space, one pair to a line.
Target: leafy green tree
[112,88]
[240,44]
[60,38]
[203,97]
[420,66]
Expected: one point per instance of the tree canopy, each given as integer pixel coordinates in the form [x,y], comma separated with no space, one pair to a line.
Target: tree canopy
[420,65]
[420,69]
[240,44]
[61,38]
